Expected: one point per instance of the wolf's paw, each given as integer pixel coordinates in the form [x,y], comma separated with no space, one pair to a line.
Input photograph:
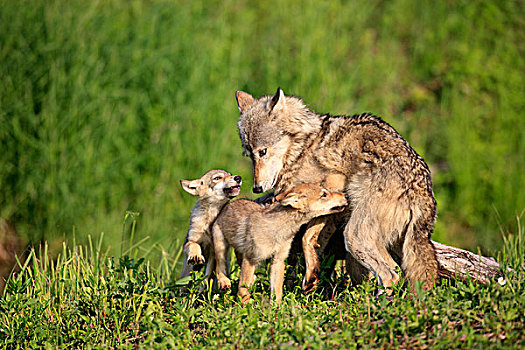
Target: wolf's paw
[245,298]
[309,284]
[196,259]
[223,283]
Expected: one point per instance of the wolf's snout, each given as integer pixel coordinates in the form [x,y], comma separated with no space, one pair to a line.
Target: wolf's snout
[237,179]
[257,189]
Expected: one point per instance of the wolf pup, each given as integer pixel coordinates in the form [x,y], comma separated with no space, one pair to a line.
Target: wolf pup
[391,200]
[214,189]
[258,233]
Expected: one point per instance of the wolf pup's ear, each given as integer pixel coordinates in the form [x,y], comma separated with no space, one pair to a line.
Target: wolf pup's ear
[244,100]
[293,200]
[278,101]
[281,195]
[192,187]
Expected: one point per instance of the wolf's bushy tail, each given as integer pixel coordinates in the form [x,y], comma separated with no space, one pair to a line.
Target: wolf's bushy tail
[419,256]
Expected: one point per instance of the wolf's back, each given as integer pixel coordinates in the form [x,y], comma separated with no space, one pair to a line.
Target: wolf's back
[386,172]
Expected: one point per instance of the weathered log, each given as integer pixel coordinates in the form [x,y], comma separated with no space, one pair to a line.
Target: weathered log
[457,263]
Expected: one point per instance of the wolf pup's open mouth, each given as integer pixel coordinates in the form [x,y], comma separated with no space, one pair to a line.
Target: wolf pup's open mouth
[338,208]
[232,191]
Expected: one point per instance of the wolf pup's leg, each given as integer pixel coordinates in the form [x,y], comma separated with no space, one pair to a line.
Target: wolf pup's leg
[187,269]
[221,250]
[210,269]
[238,257]
[246,279]
[311,258]
[277,272]
[311,276]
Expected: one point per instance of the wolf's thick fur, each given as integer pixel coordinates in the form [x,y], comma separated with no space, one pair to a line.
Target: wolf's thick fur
[391,199]
[258,233]
[214,189]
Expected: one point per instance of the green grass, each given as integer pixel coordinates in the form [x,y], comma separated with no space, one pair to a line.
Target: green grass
[106,105]
[87,299]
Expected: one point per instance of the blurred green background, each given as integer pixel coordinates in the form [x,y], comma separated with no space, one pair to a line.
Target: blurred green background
[106,105]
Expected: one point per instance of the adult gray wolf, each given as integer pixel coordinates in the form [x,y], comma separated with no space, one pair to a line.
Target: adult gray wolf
[258,233]
[392,207]
[214,189]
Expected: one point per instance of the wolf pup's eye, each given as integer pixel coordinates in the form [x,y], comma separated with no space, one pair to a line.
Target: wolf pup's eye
[262,152]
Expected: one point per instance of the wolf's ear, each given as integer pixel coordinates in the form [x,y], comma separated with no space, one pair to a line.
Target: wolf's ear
[278,101]
[192,187]
[293,200]
[244,100]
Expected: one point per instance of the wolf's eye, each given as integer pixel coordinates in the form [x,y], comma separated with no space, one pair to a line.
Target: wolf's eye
[217,178]
[262,152]
[324,194]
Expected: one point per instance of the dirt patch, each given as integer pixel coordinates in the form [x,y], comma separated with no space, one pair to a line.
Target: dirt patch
[10,246]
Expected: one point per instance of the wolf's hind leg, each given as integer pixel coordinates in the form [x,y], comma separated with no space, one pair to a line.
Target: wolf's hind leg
[419,257]
[363,240]
[357,272]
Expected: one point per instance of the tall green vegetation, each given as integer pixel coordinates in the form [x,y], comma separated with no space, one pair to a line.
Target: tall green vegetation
[105,105]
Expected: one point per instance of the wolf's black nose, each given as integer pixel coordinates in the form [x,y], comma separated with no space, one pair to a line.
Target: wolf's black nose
[257,189]
[237,179]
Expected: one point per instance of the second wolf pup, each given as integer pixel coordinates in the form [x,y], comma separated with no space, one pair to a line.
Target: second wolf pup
[258,233]
[214,189]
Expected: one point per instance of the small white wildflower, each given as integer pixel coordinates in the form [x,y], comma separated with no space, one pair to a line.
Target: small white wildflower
[502,281]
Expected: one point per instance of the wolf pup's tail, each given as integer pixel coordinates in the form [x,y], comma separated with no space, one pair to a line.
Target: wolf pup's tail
[419,256]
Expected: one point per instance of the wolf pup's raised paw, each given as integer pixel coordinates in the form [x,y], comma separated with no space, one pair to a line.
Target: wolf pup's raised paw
[196,260]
